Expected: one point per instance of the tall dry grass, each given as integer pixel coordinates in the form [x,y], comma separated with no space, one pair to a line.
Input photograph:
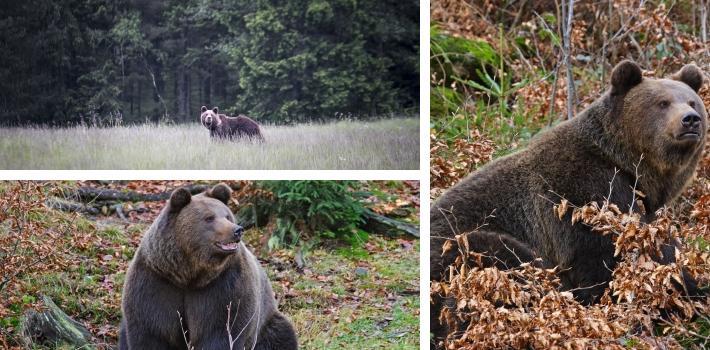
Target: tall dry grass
[383,144]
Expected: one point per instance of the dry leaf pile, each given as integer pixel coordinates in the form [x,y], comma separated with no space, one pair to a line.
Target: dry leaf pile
[523,307]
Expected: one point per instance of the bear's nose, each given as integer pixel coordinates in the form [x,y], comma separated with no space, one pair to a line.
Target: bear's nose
[690,120]
[238,232]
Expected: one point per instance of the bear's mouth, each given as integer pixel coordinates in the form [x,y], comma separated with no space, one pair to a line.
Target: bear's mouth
[228,247]
[689,136]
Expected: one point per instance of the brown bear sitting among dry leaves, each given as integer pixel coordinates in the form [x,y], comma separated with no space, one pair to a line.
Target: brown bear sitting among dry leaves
[190,266]
[505,208]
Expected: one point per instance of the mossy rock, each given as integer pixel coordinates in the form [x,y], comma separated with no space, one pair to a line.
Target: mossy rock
[463,58]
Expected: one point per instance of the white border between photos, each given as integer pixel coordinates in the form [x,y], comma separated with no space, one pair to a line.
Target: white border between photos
[424,193]
[422,175]
[47,175]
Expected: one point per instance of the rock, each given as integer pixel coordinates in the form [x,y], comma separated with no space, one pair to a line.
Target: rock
[361,271]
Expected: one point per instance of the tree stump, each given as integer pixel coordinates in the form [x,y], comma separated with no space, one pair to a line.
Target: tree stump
[52,328]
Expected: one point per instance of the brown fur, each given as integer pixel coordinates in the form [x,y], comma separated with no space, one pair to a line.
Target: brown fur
[232,128]
[512,197]
[180,267]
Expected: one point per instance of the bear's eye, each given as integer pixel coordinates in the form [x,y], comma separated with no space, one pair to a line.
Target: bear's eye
[209,218]
[691,104]
[664,104]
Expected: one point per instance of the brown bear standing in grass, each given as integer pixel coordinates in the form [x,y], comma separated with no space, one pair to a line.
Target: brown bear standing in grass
[505,208]
[192,262]
[232,128]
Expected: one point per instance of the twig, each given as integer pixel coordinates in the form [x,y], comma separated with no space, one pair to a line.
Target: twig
[184,333]
[451,227]
[611,187]
[587,287]
[636,180]
[229,331]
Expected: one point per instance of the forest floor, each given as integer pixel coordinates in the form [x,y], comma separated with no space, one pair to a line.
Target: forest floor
[383,144]
[343,298]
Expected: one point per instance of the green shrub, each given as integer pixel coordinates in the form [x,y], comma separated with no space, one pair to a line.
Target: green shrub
[307,211]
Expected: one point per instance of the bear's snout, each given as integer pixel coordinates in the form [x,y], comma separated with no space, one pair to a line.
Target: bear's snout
[238,232]
[690,125]
[691,120]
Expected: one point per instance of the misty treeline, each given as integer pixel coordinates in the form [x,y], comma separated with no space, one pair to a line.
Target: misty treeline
[70,61]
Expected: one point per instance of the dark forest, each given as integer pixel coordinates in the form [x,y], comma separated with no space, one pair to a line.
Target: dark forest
[129,61]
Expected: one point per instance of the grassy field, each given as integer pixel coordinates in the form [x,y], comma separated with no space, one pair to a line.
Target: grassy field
[341,299]
[383,144]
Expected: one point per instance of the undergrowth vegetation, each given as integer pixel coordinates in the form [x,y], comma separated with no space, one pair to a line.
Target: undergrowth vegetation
[305,211]
[498,78]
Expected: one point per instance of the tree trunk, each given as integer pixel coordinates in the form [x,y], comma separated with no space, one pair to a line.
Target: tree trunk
[208,87]
[133,94]
[155,86]
[568,13]
[704,21]
[140,98]
[188,94]
[180,93]
[200,89]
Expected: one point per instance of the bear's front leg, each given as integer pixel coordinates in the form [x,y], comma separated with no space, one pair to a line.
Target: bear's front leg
[588,275]
[208,313]
[217,341]
[277,333]
[150,319]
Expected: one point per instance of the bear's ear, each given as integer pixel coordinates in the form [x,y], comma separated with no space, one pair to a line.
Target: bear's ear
[691,75]
[215,110]
[221,192]
[179,199]
[625,75]
[203,109]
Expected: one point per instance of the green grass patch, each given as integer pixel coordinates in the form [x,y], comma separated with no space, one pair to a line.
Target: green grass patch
[340,307]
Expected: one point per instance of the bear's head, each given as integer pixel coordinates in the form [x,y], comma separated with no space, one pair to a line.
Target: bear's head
[663,119]
[203,225]
[210,117]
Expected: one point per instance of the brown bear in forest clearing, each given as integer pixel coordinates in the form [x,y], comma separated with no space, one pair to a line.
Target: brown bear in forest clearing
[505,208]
[232,128]
[191,261]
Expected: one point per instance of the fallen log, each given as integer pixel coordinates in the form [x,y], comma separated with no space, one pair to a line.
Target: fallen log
[248,217]
[95,208]
[93,194]
[53,328]
[65,205]
[376,223]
